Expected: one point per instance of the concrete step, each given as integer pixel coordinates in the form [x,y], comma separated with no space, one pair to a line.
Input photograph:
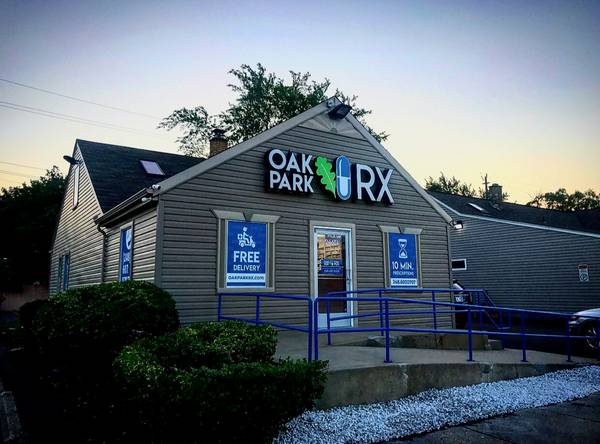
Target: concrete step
[436,341]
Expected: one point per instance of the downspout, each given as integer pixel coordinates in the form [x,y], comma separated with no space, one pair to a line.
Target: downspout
[104,245]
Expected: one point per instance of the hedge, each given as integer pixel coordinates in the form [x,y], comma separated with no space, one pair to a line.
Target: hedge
[215,382]
[72,340]
[95,322]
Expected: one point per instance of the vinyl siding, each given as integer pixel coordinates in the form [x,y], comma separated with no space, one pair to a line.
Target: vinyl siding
[528,267]
[188,241]
[77,234]
[144,248]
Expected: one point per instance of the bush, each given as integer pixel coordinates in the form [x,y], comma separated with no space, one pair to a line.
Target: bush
[95,322]
[72,341]
[215,380]
[28,312]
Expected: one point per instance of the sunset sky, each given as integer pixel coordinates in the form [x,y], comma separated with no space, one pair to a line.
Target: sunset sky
[511,88]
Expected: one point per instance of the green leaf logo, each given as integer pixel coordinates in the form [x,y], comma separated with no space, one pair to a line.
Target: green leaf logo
[324,168]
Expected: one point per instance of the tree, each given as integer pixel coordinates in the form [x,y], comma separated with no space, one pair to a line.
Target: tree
[28,215]
[453,185]
[450,185]
[263,101]
[562,200]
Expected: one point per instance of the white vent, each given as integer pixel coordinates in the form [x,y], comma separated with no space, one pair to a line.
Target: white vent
[151,167]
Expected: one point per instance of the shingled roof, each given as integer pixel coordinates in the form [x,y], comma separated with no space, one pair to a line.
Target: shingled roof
[117,173]
[584,220]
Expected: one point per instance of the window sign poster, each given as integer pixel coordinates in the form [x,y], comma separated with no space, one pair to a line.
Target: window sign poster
[331,267]
[125,256]
[246,254]
[584,275]
[402,250]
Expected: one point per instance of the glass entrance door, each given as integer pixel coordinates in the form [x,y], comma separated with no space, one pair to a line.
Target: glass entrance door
[333,272]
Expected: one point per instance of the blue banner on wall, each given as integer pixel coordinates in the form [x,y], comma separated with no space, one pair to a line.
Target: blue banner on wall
[246,254]
[402,250]
[125,255]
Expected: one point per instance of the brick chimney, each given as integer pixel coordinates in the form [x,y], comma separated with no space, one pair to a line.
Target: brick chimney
[495,193]
[218,142]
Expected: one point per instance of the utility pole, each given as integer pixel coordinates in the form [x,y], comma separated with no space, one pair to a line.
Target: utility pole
[485,184]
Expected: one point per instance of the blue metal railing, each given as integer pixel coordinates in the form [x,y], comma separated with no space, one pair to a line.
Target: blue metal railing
[386,313]
[257,313]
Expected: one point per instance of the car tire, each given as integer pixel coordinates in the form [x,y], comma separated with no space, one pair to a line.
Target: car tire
[591,336]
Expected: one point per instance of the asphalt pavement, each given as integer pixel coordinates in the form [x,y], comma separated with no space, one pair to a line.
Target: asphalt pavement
[576,421]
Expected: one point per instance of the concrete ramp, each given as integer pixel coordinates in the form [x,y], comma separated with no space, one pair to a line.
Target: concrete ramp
[389,382]
[358,375]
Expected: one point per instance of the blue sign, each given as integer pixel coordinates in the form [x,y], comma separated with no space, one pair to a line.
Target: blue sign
[402,250]
[331,267]
[246,254]
[125,255]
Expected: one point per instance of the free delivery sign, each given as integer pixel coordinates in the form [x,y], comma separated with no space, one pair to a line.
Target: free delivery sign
[246,254]
[402,250]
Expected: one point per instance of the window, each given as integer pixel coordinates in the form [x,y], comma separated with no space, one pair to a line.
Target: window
[75,185]
[126,253]
[402,256]
[64,266]
[459,264]
[151,167]
[246,251]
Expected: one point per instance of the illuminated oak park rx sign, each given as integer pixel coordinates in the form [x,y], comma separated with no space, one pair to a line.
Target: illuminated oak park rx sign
[294,172]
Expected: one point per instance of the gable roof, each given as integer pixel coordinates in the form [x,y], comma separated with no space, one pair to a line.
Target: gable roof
[584,220]
[322,108]
[117,173]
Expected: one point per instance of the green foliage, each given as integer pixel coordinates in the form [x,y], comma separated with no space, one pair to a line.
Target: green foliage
[562,200]
[324,170]
[215,380]
[95,322]
[28,215]
[452,185]
[263,101]
[449,185]
[72,340]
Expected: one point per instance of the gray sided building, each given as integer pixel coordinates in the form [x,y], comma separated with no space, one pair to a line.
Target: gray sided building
[526,257]
[312,205]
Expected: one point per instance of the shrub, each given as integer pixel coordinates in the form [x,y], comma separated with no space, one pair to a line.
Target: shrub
[28,312]
[95,322]
[72,340]
[215,380]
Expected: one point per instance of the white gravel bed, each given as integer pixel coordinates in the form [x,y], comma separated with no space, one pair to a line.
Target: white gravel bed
[435,409]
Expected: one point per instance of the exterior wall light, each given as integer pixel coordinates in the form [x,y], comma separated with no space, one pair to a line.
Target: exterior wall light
[71,160]
[458,224]
[339,112]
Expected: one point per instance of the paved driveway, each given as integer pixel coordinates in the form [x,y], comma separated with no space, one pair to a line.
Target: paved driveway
[570,422]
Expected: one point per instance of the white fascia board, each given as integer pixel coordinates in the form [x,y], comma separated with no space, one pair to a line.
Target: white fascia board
[240,148]
[520,224]
[386,154]
[88,174]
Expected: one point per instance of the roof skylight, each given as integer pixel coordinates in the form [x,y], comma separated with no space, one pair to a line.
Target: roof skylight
[477,207]
[151,167]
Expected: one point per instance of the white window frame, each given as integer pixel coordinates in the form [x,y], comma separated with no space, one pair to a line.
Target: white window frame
[224,216]
[62,283]
[459,269]
[385,230]
[351,268]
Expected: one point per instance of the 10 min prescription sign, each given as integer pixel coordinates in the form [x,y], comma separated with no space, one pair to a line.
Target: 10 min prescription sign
[246,254]
[402,260]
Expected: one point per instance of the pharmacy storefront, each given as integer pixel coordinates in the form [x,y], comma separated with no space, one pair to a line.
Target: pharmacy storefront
[312,206]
